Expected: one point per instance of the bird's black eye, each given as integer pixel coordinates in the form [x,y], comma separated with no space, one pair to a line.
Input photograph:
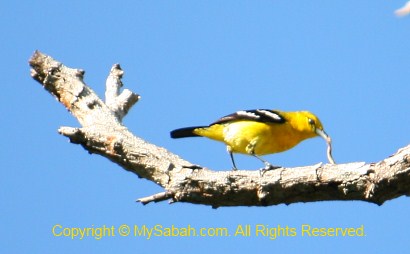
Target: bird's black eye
[311,121]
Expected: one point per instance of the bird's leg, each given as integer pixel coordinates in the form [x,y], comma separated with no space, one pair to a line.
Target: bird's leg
[228,148]
[250,148]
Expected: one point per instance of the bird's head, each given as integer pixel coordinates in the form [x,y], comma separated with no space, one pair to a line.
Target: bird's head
[310,125]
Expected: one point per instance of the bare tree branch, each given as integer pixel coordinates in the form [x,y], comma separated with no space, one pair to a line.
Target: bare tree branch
[103,133]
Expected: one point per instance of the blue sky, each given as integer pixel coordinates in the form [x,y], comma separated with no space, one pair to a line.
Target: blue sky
[193,62]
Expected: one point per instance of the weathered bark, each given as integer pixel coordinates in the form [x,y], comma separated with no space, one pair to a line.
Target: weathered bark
[103,133]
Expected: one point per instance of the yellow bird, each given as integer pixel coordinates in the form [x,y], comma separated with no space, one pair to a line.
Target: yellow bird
[260,132]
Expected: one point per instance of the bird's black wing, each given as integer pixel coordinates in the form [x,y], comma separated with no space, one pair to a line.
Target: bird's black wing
[258,115]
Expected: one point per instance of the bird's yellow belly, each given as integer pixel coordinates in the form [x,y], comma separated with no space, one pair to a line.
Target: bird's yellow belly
[259,138]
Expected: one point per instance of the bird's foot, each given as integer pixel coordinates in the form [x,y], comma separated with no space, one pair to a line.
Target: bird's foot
[267,168]
[192,166]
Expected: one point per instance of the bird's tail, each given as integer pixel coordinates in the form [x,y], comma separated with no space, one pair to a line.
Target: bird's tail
[185,132]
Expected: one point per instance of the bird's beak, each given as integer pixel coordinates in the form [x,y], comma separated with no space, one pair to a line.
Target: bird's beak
[323,134]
